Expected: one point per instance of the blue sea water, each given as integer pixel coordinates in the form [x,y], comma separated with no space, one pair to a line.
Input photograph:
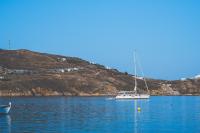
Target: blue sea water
[159,114]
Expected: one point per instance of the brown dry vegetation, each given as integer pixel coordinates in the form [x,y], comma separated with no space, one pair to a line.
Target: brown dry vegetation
[42,76]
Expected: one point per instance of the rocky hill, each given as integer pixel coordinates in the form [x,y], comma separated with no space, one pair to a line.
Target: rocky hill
[28,73]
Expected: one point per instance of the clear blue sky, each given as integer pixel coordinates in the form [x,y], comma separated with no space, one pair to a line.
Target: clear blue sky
[166,33]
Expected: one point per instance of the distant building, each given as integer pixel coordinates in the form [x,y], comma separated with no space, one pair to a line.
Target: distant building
[197,77]
[108,67]
[182,79]
[62,59]
[61,70]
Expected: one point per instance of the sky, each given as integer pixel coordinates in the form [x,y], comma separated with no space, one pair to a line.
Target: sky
[165,33]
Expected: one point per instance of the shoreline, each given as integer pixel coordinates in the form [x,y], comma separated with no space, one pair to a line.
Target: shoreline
[96,96]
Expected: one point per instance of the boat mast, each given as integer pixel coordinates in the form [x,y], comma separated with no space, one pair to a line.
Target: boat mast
[135,89]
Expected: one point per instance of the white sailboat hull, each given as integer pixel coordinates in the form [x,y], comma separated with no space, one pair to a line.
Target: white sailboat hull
[133,96]
[4,109]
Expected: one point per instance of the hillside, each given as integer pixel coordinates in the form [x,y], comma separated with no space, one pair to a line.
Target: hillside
[28,73]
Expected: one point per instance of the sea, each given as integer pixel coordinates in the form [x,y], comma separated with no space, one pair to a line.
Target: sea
[159,114]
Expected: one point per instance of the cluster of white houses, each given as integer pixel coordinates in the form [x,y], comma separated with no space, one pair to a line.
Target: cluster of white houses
[24,71]
[62,70]
[55,70]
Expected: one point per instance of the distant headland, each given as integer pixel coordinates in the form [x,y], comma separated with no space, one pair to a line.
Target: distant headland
[28,73]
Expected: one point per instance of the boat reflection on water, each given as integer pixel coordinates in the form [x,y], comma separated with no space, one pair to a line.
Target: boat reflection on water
[141,111]
[136,115]
[5,124]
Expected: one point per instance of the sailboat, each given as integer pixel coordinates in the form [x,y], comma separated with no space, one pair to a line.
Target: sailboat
[134,94]
[4,109]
